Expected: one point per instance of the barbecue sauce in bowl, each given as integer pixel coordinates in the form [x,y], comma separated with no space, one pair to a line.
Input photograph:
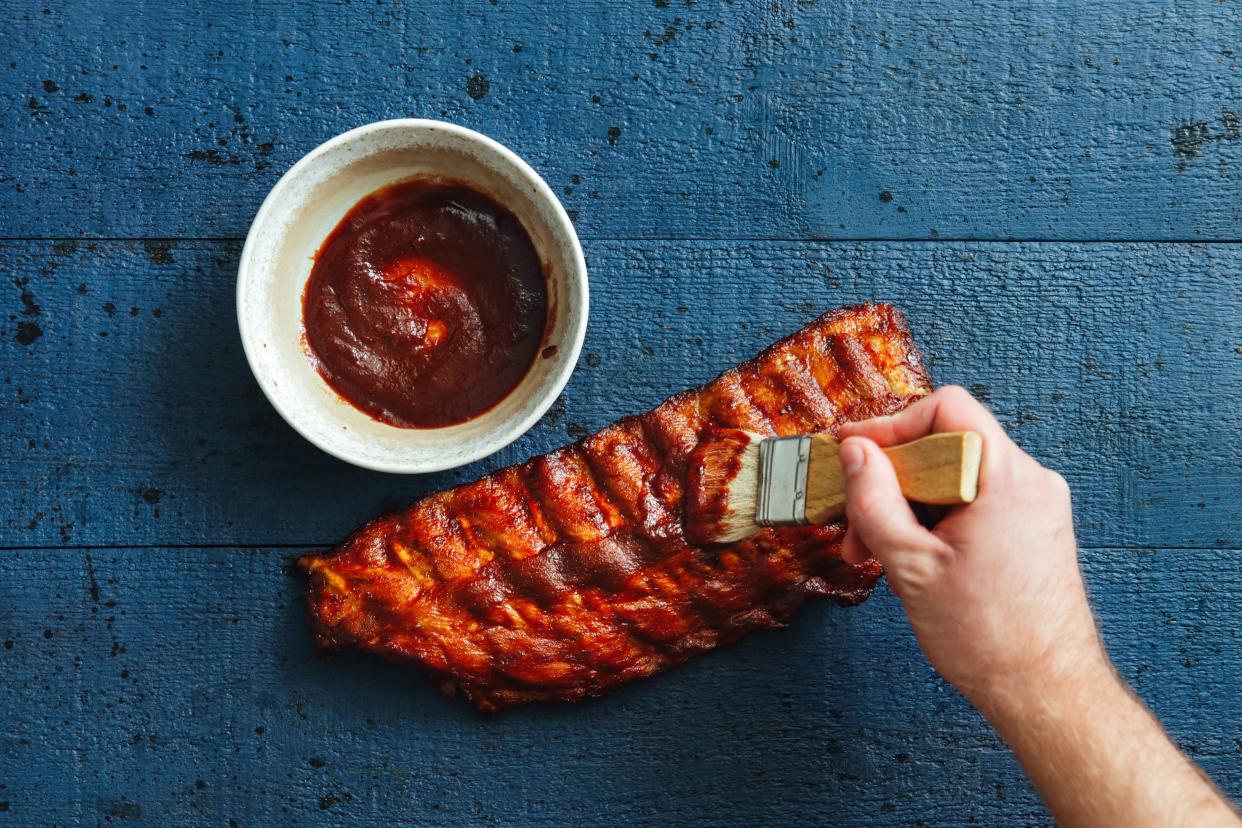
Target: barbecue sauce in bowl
[426,306]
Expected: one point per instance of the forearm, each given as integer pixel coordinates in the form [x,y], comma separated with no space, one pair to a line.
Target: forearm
[995,595]
[1098,757]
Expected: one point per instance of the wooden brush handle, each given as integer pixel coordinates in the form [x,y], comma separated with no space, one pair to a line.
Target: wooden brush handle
[942,469]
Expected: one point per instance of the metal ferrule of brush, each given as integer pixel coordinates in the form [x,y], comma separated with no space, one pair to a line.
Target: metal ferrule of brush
[783,463]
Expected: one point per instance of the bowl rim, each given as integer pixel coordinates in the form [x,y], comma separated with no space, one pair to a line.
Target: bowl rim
[509,431]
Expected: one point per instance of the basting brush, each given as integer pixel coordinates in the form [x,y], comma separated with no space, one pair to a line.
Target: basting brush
[740,482]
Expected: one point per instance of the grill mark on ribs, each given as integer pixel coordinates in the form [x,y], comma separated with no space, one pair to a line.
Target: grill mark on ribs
[500,517]
[804,394]
[563,485]
[622,457]
[730,405]
[567,575]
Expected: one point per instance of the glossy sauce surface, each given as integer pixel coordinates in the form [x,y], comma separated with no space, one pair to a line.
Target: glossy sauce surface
[426,305]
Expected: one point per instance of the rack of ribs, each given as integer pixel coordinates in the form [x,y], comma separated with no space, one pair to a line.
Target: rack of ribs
[568,575]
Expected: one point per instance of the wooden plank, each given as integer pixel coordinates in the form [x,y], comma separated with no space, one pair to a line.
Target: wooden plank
[791,120]
[133,419]
[179,686]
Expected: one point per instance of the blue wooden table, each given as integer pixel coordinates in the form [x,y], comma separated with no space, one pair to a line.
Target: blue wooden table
[1051,191]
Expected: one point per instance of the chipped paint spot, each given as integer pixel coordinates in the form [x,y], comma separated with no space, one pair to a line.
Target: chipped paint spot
[1190,140]
[158,252]
[477,87]
[28,332]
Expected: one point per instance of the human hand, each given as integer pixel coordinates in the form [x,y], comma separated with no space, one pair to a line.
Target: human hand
[993,592]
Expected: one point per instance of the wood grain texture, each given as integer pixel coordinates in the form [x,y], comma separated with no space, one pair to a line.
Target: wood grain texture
[176,687]
[710,119]
[136,421]
[825,481]
[939,469]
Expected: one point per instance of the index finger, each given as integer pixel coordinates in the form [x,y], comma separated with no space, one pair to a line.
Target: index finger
[951,408]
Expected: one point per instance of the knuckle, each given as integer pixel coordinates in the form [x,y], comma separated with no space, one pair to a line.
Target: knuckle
[915,572]
[940,553]
[1022,466]
[1056,484]
[960,401]
[954,393]
[962,407]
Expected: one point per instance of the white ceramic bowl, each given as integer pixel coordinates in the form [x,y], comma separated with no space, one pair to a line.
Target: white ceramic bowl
[299,213]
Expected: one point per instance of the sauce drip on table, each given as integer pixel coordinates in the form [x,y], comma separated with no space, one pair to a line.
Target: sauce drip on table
[426,305]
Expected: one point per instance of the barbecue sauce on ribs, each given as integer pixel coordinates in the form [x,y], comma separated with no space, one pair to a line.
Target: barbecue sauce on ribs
[570,574]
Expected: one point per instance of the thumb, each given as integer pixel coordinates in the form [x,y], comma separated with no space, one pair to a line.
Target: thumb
[877,511]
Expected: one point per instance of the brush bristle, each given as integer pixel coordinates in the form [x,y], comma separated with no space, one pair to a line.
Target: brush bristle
[722,487]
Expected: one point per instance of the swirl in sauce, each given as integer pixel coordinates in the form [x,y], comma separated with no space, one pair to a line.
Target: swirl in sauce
[426,305]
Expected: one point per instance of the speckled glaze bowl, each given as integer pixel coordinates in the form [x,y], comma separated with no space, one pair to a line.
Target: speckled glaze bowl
[299,213]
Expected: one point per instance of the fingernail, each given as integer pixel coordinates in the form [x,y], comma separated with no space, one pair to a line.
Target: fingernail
[852,457]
